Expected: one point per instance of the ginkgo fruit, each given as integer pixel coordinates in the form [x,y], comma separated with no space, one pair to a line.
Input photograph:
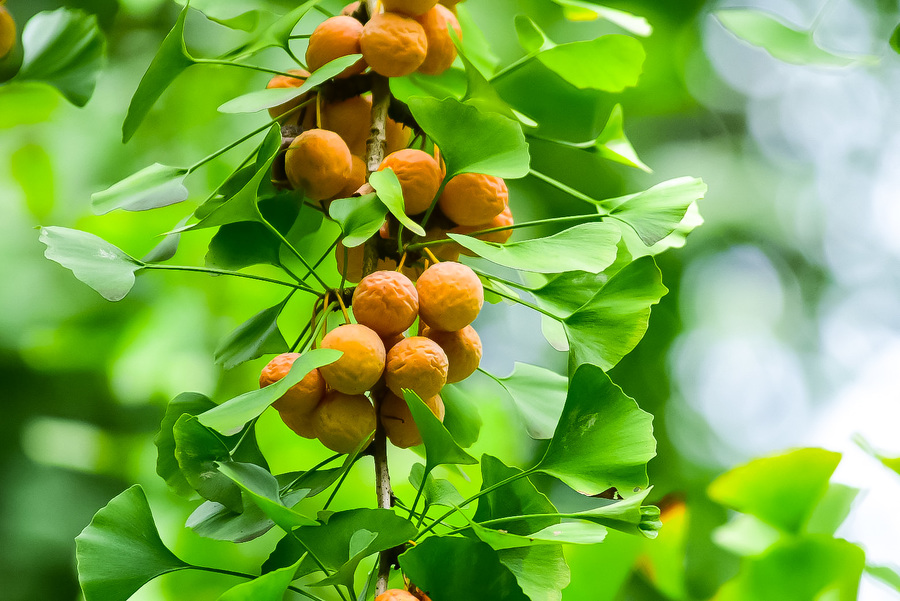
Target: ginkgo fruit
[398,421]
[362,363]
[344,421]
[441,49]
[412,8]
[285,82]
[295,406]
[333,38]
[504,219]
[416,363]
[7,32]
[386,302]
[356,180]
[473,198]
[351,119]
[318,162]
[396,594]
[419,176]
[393,45]
[450,296]
[463,349]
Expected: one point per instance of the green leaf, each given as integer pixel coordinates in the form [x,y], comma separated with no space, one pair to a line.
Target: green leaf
[102,266]
[568,533]
[268,587]
[475,44]
[613,144]
[151,188]
[627,515]
[539,395]
[479,92]
[461,418]
[440,448]
[575,10]
[785,42]
[197,449]
[247,21]
[171,59]
[120,550]
[239,245]
[885,574]
[254,338]
[359,217]
[603,439]
[275,35]
[460,568]
[832,510]
[473,141]
[65,49]
[262,488]
[611,324]
[655,213]
[609,63]
[32,169]
[532,38]
[895,39]
[587,247]
[260,100]
[781,490]
[826,564]
[231,415]
[436,491]
[389,192]
[167,248]
[519,497]
[541,571]
[190,403]
[214,520]
[892,463]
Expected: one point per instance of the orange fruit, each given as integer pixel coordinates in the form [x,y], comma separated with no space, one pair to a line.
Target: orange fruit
[419,175]
[296,406]
[344,421]
[356,180]
[283,81]
[391,341]
[397,136]
[318,162]
[398,421]
[444,252]
[417,363]
[351,119]
[411,8]
[393,45]
[362,363]
[356,256]
[450,296]
[333,38]
[463,350]
[504,219]
[7,32]
[386,302]
[473,198]
[441,49]
[395,594]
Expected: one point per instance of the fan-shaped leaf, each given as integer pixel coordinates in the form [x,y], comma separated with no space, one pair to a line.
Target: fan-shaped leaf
[150,188]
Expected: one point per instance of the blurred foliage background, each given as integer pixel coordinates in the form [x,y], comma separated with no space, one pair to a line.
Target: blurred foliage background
[781,328]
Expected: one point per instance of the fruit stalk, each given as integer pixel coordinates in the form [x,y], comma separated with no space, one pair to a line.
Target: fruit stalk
[382,490]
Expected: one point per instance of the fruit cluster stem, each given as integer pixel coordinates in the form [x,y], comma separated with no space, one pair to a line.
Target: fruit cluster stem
[383,491]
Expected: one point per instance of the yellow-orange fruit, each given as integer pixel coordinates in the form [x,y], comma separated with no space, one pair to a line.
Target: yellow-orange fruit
[419,176]
[398,420]
[395,594]
[350,9]
[396,136]
[344,421]
[351,119]
[444,252]
[362,363]
[356,180]
[393,45]
[412,8]
[297,404]
[333,38]
[391,341]
[502,237]
[463,349]
[417,363]
[441,49]
[318,162]
[450,296]
[473,198]
[7,32]
[283,81]
[386,302]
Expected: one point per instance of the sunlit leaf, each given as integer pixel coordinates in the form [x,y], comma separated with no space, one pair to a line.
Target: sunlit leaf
[190,403]
[440,448]
[275,35]
[613,144]
[102,266]
[66,49]
[603,439]
[167,248]
[785,42]
[627,515]
[262,489]
[475,44]
[389,192]
[584,533]
[541,571]
[254,338]
[171,59]
[885,574]
[519,497]
[473,141]
[120,550]
[657,212]
[359,217]
[268,587]
[461,418]
[833,509]
[532,38]
[609,63]
[150,188]
[575,10]
[782,490]
[895,39]
[587,247]
[197,449]
[539,394]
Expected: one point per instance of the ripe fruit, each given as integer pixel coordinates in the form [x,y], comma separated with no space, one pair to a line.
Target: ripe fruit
[412,8]
[391,341]
[417,363]
[362,363]
[419,175]
[351,119]
[318,162]
[441,50]
[444,252]
[356,180]
[398,421]
[396,136]
[502,237]
[296,406]
[393,45]
[343,421]
[7,32]
[386,302]
[450,296]
[333,38]
[463,350]
[395,594]
[283,81]
[473,198]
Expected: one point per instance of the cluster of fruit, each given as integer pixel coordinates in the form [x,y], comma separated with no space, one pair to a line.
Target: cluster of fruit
[330,403]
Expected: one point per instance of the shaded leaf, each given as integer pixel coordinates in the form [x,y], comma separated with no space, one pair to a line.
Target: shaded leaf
[436,491]
[603,439]
[120,550]
[541,571]
[167,248]
[627,515]
[587,247]
[440,448]
[102,266]
[239,245]
[254,338]
[895,39]
[197,449]
[359,217]
[575,10]
[655,213]
[268,587]
[539,395]
[150,188]
[461,418]
[65,49]
[519,497]
[262,488]
[214,520]
[190,403]
[532,38]
[275,35]
[389,192]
